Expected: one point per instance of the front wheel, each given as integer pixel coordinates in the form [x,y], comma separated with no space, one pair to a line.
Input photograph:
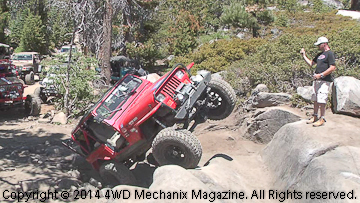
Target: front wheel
[222,99]
[177,147]
[114,173]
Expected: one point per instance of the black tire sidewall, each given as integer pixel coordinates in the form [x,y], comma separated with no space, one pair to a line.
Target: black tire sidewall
[186,141]
[114,173]
[228,96]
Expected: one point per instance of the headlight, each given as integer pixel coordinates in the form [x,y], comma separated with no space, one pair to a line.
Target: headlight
[2,89]
[160,97]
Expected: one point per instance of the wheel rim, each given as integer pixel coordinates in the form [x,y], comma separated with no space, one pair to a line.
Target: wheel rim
[175,154]
[215,100]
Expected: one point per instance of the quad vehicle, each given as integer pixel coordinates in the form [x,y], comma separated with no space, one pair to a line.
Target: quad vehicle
[12,90]
[47,88]
[137,114]
[28,64]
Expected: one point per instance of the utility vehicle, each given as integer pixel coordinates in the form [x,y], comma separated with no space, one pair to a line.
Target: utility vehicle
[28,64]
[136,114]
[12,91]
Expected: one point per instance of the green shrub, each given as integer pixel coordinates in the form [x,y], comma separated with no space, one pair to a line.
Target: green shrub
[282,20]
[80,91]
[265,17]
[320,7]
[218,56]
[146,53]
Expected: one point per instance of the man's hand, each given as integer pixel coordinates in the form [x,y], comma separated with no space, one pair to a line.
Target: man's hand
[316,76]
[302,51]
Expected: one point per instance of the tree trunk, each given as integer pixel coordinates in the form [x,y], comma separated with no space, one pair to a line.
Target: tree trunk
[355,5]
[105,52]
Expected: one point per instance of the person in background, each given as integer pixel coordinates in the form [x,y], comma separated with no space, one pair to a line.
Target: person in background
[325,65]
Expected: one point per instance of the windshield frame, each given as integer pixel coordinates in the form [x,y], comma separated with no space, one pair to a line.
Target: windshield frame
[114,100]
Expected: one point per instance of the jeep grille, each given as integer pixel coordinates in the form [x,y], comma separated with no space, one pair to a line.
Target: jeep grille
[170,87]
[9,89]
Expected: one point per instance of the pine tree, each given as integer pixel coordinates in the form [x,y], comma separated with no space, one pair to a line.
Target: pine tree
[33,35]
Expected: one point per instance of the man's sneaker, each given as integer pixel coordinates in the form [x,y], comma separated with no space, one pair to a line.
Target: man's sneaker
[320,122]
[312,119]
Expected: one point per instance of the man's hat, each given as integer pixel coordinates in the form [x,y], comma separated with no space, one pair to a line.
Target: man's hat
[321,40]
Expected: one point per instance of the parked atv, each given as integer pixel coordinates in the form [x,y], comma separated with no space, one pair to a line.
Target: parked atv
[12,90]
[136,115]
[47,88]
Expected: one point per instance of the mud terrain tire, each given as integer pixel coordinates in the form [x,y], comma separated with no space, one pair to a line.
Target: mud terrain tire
[37,93]
[114,173]
[178,147]
[29,78]
[32,105]
[222,99]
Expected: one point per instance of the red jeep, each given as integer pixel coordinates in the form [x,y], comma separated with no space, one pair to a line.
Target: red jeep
[12,89]
[136,114]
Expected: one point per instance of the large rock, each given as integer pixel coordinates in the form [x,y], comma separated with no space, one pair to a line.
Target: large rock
[266,124]
[59,118]
[296,147]
[172,178]
[260,88]
[336,170]
[264,99]
[305,92]
[346,96]
[352,14]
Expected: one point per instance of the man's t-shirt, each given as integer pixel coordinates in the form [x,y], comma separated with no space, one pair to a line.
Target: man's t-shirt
[323,61]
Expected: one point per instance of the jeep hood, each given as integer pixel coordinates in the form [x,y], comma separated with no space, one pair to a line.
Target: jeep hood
[9,80]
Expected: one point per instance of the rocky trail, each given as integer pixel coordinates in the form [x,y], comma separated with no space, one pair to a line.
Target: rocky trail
[33,158]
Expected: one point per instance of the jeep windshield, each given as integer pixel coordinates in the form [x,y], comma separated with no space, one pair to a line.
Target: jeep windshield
[22,57]
[118,96]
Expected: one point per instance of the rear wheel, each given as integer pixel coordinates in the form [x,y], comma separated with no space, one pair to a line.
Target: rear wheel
[114,173]
[178,147]
[29,78]
[32,105]
[222,99]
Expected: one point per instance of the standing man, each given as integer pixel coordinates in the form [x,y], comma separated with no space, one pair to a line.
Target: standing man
[325,65]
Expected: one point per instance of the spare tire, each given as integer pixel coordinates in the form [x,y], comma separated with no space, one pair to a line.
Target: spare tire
[222,99]
[30,78]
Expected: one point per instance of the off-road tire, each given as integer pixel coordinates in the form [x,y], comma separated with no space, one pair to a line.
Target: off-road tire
[178,147]
[221,89]
[32,105]
[37,93]
[29,78]
[114,173]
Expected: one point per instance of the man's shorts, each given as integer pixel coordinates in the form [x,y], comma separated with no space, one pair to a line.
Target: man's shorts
[321,91]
